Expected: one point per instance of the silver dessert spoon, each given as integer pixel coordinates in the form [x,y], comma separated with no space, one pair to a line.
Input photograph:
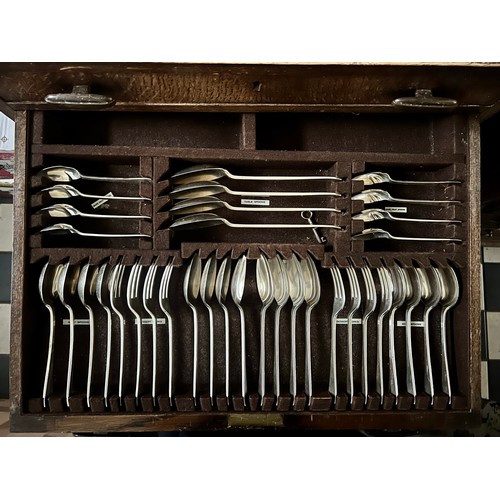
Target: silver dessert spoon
[265,289]
[222,283]
[67,191]
[375,233]
[61,173]
[209,220]
[371,178]
[212,172]
[65,210]
[206,203]
[67,228]
[209,188]
[376,195]
[237,289]
[371,214]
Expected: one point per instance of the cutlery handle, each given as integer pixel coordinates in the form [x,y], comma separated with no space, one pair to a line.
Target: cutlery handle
[226,337]
[108,354]
[70,352]
[277,389]
[293,354]
[284,226]
[170,358]
[284,177]
[350,373]
[410,371]
[393,376]
[428,380]
[445,371]
[421,183]
[364,366]
[91,354]
[122,358]
[138,362]
[195,351]
[308,360]
[380,359]
[262,360]
[155,356]
[427,202]
[211,352]
[115,179]
[283,193]
[332,384]
[50,351]
[243,355]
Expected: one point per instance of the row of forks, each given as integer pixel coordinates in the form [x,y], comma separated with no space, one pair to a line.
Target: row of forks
[358,294]
[106,284]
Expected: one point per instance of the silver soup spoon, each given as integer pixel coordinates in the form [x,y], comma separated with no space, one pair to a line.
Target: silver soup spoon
[376,195]
[213,172]
[371,214]
[67,228]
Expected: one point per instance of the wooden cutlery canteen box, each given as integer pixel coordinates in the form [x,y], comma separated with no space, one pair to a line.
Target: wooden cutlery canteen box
[215,246]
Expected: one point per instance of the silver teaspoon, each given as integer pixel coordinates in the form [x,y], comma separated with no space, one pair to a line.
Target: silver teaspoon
[61,173]
[67,191]
[371,178]
[375,233]
[65,210]
[68,228]
[371,214]
[376,195]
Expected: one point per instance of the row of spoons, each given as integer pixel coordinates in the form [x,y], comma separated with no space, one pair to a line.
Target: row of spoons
[61,173]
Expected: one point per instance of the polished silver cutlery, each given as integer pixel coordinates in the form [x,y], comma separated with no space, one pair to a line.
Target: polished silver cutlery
[60,173]
[371,178]
[65,210]
[68,191]
[207,203]
[376,233]
[371,214]
[206,172]
[209,188]
[210,220]
[375,195]
[69,229]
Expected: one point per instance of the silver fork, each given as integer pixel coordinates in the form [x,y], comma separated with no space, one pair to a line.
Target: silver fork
[398,298]
[431,294]
[413,294]
[86,288]
[368,309]
[104,281]
[191,290]
[167,310]
[385,305]
[66,286]
[338,304]
[115,294]
[134,304]
[149,301]
[47,287]
[355,303]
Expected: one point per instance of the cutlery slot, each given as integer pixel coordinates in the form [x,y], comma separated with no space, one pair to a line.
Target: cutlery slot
[181,130]
[394,133]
